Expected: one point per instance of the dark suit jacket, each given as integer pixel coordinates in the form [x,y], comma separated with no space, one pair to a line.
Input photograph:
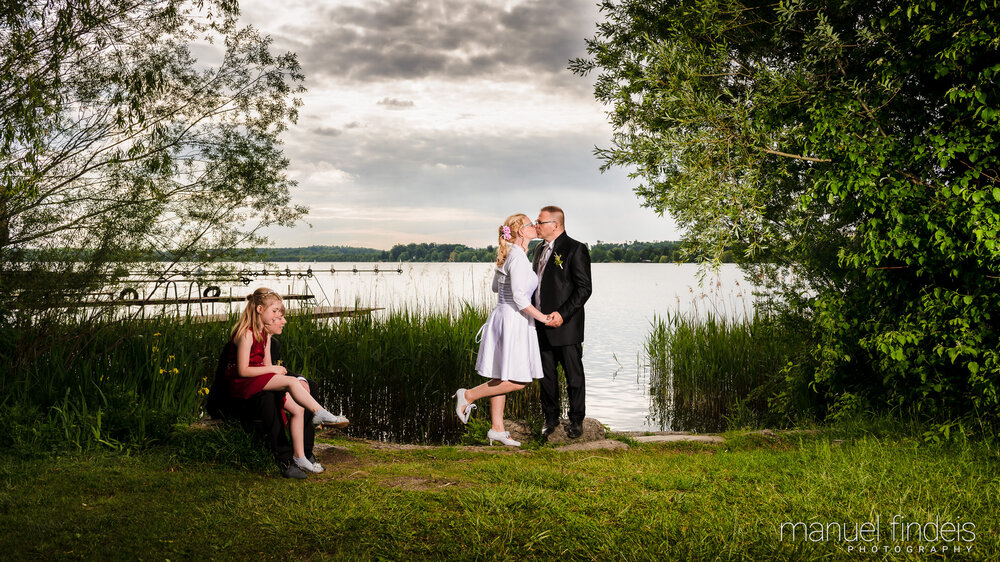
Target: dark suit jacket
[565,289]
[260,414]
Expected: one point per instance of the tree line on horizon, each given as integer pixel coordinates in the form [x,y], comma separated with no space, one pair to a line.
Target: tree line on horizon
[601,252]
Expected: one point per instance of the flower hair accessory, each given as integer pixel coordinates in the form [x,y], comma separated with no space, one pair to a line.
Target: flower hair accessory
[506,232]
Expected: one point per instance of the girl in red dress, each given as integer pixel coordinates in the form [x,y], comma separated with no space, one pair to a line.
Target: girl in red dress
[251,371]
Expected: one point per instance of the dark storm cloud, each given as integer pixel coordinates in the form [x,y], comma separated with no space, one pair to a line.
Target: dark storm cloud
[402,39]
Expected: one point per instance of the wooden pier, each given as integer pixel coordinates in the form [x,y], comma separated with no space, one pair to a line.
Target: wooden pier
[300,311]
[183,300]
[313,312]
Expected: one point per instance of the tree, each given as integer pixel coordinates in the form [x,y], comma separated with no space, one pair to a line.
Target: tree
[853,144]
[118,145]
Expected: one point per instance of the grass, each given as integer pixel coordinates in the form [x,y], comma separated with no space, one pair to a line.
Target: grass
[394,375]
[681,501]
[111,385]
[707,374]
[124,385]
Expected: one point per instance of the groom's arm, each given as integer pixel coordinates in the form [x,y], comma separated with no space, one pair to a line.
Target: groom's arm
[579,275]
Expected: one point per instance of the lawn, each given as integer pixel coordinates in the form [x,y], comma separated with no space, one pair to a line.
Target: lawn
[654,501]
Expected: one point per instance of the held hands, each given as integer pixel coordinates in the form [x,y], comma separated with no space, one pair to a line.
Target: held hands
[554,320]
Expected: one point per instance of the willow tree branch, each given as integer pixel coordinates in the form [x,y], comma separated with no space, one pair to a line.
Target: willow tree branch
[796,156]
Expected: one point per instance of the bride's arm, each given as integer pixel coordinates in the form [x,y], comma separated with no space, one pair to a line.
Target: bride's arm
[520,283]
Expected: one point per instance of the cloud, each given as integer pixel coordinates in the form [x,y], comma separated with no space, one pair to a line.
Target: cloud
[393,103]
[327,131]
[432,120]
[459,39]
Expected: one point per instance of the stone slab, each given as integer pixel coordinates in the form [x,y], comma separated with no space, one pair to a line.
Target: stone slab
[600,445]
[675,437]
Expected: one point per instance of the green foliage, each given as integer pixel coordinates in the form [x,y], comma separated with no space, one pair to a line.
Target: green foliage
[126,384]
[475,432]
[440,253]
[323,253]
[848,153]
[228,443]
[117,144]
[716,373]
[116,385]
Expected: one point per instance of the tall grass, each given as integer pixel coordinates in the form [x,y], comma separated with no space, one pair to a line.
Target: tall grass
[712,373]
[393,374]
[116,384]
[125,384]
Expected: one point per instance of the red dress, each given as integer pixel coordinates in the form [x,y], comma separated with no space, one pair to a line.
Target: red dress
[245,387]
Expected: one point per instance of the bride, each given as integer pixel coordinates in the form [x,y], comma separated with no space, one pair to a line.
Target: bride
[508,351]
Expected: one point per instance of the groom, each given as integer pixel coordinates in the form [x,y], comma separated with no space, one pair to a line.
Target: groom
[563,268]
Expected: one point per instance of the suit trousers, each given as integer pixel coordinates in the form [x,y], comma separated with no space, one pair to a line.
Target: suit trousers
[571,359]
[260,415]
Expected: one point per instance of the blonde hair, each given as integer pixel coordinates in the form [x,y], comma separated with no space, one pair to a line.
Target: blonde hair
[515,223]
[250,318]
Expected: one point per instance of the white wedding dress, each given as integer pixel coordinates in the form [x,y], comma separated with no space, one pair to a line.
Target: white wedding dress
[509,346]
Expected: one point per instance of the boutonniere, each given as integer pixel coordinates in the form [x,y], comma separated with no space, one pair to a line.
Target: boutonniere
[559,261]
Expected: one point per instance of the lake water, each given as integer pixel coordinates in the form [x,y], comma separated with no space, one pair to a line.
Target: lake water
[625,300]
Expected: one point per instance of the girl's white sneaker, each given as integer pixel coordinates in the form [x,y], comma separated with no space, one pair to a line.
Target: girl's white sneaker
[324,417]
[305,465]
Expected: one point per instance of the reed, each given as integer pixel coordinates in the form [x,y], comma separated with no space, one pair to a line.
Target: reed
[126,384]
[393,374]
[117,384]
[712,373]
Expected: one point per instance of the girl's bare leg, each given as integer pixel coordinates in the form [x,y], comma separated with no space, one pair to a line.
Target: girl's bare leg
[291,386]
[296,426]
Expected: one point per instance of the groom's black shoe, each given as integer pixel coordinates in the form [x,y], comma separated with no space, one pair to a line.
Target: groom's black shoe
[292,471]
[549,429]
[575,430]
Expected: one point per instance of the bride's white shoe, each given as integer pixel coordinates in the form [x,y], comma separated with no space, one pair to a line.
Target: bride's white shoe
[463,416]
[502,437]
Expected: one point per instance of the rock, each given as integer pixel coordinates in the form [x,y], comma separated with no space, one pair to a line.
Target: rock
[592,439]
[593,430]
[519,431]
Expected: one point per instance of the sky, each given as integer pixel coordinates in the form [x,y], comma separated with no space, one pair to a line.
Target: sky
[433,120]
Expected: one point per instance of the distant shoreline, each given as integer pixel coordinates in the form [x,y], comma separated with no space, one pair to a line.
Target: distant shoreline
[601,252]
